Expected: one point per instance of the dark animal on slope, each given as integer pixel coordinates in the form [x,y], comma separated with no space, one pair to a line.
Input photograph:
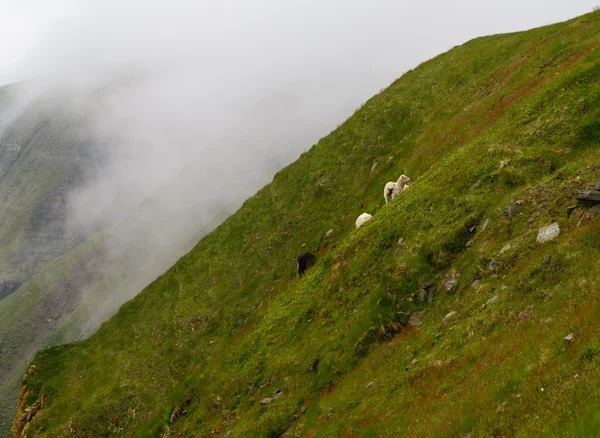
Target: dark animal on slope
[305,261]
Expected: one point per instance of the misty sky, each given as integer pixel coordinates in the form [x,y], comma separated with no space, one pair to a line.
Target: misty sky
[389,36]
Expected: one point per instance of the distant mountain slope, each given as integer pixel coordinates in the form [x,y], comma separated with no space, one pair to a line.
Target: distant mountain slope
[43,155]
[497,135]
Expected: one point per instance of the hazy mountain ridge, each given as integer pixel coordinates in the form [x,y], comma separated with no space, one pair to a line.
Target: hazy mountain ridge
[497,135]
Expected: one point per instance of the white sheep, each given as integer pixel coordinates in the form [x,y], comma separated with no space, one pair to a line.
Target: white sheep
[392,189]
[360,221]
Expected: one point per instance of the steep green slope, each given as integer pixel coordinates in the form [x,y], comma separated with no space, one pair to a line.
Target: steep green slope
[497,135]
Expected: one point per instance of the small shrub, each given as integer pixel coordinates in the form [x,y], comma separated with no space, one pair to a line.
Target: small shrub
[588,354]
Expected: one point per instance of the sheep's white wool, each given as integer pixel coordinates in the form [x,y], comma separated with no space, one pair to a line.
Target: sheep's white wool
[392,189]
[360,221]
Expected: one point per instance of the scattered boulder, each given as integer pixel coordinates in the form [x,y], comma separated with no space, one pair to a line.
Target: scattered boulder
[571,209]
[450,284]
[447,318]
[534,215]
[416,319]
[374,166]
[505,248]
[490,301]
[549,320]
[469,244]
[314,365]
[369,385]
[421,295]
[510,210]
[472,229]
[266,401]
[368,337]
[277,394]
[589,216]
[588,196]
[328,234]
[450,281]
[492,266]
[476,284]
[576,214]
[303,409]
[523,315]
[548,233]
[485,224]
[399,247]
[569,339]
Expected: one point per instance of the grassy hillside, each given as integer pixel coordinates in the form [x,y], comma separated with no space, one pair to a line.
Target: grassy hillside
[497,135]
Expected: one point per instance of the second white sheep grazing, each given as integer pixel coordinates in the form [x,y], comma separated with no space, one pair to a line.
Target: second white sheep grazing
[360,221]
[392,189]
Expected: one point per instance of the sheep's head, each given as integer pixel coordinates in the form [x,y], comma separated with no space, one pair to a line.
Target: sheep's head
[403,181]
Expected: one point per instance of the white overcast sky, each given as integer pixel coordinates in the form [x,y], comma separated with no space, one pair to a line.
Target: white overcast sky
[415,30]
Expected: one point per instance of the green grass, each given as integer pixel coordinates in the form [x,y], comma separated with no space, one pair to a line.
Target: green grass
[501,119]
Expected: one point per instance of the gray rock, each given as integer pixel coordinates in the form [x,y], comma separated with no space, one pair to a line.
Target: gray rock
[426,285]
[227,435]
[421,295]
[548,233]
[266,401]
[490,301]
[374,166]
[469,244]
[447,318]
[390,159]
[510,210]
[485,224]
[576,214]
[399,247]
[328,234]
[430,296]
[369,385]
[569,339]
[472,229]
[505,248]
[598,186]
[303,409]
[276,394]
[286,433]
[476,284]
[492,266]
[523,315]
[571,209]
[589,216]
[549,320]
[450,283]
[416,319]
